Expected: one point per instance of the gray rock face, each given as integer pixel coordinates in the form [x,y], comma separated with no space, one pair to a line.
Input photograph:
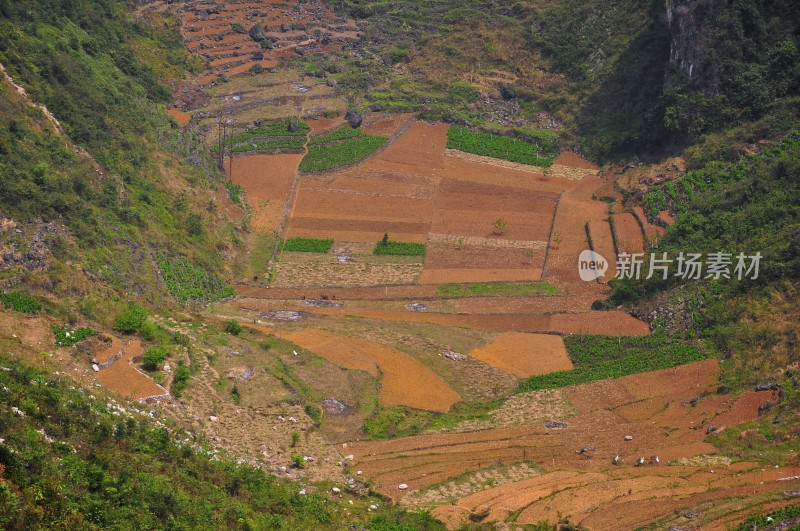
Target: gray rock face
[689,45]
[353,118]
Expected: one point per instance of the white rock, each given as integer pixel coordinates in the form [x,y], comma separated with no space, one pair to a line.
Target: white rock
[373,506]
[302,492]
[212,418]
[95,367]
[358,472]
[629,437]
[336,490]
[350,502]
[349,457]
[292,419]
[402,486]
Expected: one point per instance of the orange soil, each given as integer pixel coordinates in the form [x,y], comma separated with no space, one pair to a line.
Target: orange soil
[629,234]
[381,124]
[669,432]
[122,378]
[745,408]
[450,275]
[322,124]
[524,355]
[568,158]
[404,380]
[267,180]
[114,348]
[182,118]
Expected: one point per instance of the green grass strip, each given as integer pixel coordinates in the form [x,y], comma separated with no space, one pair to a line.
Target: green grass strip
[496,289]
[342,132]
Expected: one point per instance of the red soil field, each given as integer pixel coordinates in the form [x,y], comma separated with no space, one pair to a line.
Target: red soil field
[180,117]
[524,355]
[404,380]
[122,378]
[629,234]
[267,180]
[603,243]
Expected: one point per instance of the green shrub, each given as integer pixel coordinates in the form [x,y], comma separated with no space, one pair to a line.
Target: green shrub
[153,357]
[298,461]
[181,379]
[131,319]
[21,302]
[148,330]
[307,245]
[66,337]
[233,328]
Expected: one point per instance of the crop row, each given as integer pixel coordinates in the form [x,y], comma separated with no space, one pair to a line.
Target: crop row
[603,357]
[340,133]
[496,146]
[277,129]
[399,248]
[272,144]
[329,156]
[189,283]
[496,289]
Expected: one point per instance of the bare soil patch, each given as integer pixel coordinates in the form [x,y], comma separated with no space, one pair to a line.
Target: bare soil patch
[122,378]
[267,181]
[525,354]
[628,232]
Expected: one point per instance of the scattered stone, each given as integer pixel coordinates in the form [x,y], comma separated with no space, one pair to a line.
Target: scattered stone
[417,307]
[640,461]
[617,459]
[321,303]
[212,418]
[336,490]
[777,420]
[256,33]
[711,429]
[402,486]
[654,459]
[292,127]
[455,356]
[555,425]
[585,450]
[333,406]
[629,437]
[283,315]
[691,514]
[95,367]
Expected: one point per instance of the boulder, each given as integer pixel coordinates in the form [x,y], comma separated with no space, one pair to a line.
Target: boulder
[353,118]
[293,127]
[256,33]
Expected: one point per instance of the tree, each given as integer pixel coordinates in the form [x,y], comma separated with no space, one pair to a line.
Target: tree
[499,227]
[233,328]
[130,319]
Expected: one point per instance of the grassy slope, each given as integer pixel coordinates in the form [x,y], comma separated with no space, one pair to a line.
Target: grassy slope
[74,461]
[85,61]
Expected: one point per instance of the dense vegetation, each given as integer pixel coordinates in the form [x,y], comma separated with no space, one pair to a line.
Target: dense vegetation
[324,157]
[602,357]
[69,460]
[491,145]
[748,204]
[277,129]
[106,77]
[21,302]
[342,132]
[189,283]
[66,336]
[496,289]
[307,245]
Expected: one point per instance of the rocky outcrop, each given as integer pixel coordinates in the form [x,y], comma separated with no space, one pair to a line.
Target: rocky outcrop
[689,42]
[353,118]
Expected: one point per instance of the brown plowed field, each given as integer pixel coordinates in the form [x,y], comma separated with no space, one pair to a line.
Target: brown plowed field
[113,348]
[446,276]
[524,355]
[629,234]
[181,118]
[267,181]
[122,378]
[599,421]
[404,380]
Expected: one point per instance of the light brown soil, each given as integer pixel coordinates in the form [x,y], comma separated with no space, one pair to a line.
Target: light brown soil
[122,378]
[404,380]
[603,244]
[109,351]
[568,158]
[629,234]
[525,354]
[383,124]
[267,180]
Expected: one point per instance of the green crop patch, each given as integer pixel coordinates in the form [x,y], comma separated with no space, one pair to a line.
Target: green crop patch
[278,129]
[307,245]
[385,247]
[323,157]
[189,283]
[496,289]
[496,146]
[602,357]
[293,143]
[66,337]
[21,302]
[342,132]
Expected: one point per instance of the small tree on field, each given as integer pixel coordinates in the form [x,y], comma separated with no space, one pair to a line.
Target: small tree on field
[385,239]
[233,328]
[499,227]
[153,358]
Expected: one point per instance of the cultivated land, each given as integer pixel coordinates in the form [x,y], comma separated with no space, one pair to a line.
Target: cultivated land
[405,370]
